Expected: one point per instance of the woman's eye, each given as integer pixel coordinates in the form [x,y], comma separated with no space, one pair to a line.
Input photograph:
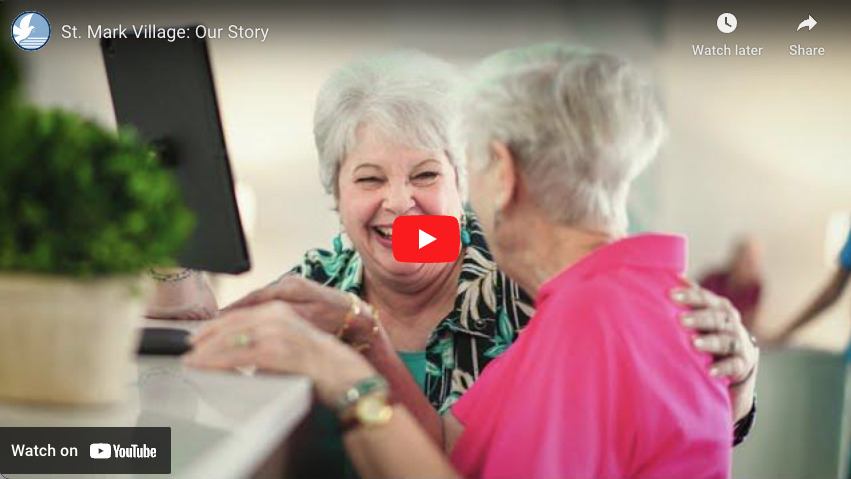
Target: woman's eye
[368,180]
[426,176]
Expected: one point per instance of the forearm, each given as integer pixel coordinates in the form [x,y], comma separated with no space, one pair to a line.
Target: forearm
[821,303]
[831,292]
[397,449]
[403,387]
[181,294]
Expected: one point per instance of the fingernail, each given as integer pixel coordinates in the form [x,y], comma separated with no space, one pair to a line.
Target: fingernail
[687,320]
[698,342]
[678,295]
[713,372]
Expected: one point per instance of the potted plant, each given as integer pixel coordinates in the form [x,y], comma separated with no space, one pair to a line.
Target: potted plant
[83,212]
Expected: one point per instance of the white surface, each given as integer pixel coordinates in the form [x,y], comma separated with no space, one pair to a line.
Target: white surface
[224,425]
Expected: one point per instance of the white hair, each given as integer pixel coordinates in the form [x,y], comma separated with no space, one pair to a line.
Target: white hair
[406,95]
[580,124]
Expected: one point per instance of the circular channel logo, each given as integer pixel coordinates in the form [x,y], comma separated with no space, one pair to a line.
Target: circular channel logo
[30,30]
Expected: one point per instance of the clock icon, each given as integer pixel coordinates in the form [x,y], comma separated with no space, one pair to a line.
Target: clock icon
[727,22]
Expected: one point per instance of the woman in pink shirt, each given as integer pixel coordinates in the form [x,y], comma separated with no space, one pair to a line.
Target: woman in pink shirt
[603,382]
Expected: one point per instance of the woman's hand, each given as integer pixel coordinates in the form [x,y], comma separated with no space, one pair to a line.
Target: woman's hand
[273,337]
[720,332]
[324,307]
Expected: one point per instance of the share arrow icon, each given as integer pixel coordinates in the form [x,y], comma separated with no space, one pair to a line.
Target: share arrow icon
[809,23]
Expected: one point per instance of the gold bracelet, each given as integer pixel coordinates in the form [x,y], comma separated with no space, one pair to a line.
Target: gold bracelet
[354,311]
[170,277]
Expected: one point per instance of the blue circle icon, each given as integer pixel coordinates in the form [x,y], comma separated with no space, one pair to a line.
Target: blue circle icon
[30,30]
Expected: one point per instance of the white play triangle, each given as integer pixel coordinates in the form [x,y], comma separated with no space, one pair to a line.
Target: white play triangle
[425,238]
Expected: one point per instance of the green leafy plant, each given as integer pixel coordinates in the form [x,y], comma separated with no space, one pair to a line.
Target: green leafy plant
[79,200]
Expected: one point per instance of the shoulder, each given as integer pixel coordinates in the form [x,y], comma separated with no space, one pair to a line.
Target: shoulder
[591,310]
[596,295]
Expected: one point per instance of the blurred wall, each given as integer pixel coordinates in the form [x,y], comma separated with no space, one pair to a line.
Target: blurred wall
[799,427]
[760,145]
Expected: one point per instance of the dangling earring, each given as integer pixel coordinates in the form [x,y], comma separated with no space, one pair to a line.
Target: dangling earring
[338,241]
[465,233]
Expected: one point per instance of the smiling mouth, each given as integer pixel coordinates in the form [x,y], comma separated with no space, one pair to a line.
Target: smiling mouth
[384,231]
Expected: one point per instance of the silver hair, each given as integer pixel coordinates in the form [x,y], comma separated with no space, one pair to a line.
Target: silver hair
[406,95]
[580,124]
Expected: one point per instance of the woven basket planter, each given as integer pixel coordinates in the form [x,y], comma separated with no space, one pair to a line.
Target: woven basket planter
[67,341]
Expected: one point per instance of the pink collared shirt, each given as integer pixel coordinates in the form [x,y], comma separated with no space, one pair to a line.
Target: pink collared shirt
[604,381]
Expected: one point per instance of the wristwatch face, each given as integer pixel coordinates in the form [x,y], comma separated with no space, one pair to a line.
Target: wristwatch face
[373,410]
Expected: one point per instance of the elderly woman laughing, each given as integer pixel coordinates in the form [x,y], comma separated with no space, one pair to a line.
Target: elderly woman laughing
[382,130]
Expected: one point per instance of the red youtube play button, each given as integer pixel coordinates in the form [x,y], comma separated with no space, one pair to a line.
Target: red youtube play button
[426,239]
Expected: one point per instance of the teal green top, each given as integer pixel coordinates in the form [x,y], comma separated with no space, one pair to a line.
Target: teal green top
[415,361]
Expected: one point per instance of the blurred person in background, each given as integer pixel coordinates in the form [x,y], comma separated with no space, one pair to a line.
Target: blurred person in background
[740,280]
[382,129]
[604,381]
[827,296]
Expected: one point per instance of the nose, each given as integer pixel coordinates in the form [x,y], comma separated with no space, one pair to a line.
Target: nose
[398,197]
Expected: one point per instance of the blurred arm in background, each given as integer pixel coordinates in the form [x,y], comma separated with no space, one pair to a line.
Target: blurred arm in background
[740,280]
[825,299]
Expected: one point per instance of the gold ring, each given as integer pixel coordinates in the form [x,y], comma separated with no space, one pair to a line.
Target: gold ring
[241,340]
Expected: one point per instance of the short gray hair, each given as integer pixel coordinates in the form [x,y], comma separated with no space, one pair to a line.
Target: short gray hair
[580,124]
[407,95]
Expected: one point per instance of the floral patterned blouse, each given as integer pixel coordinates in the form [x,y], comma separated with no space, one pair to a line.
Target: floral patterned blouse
[490,311]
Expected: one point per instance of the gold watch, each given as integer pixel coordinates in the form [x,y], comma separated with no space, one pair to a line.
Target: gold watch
[367,404]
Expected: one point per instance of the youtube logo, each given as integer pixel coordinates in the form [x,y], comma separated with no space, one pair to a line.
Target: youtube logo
[100,451]
[426,239]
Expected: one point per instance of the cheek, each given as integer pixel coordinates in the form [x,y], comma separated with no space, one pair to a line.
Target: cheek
[356,207]
[443,199]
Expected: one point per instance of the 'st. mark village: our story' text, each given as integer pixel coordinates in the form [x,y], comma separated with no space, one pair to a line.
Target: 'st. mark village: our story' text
[171,33]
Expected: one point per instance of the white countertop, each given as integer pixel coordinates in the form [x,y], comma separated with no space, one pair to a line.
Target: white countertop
[224,425]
